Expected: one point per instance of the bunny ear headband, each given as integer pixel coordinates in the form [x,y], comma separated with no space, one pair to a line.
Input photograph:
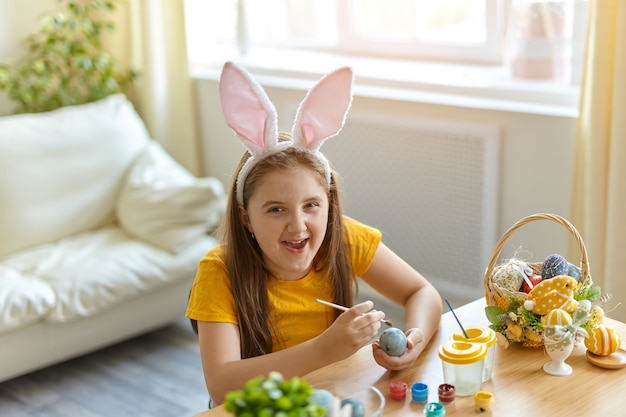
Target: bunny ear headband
[250,113]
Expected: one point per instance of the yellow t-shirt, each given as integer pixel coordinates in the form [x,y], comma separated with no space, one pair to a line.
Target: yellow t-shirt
[292,303]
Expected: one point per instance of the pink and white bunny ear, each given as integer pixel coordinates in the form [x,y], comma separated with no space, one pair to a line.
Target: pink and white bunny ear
[322,113]
[248,110]
[250,113]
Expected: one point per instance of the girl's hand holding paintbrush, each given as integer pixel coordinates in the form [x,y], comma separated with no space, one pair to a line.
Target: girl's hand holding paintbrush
[342,308]
[352,330]
[414,337]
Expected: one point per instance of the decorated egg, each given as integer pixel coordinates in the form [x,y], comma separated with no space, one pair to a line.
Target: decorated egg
[553,266]
[356,405]
[530,282]
[393,341]
[510,275]
[556,317]
[323,398]
[573,271]
[602,341]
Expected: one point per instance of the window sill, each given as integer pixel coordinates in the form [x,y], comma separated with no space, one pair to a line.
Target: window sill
[480,87]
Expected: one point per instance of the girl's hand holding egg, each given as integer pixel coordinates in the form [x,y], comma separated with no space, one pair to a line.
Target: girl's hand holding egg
[396,350]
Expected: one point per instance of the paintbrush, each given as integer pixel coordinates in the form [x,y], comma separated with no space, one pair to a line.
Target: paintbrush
[457,319]
[342,308]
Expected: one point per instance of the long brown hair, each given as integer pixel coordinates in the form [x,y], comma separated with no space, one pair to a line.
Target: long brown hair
[244,260]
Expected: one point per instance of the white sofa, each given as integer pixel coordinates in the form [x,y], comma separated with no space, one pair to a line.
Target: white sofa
[101,232]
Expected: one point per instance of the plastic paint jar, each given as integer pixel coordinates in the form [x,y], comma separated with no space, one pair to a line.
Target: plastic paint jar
[463,364]
[446,393]
[434,410]
[419,392]
[481,334]
[483,401]
[397,390]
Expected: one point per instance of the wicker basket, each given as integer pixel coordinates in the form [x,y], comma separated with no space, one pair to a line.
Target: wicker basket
[502,297]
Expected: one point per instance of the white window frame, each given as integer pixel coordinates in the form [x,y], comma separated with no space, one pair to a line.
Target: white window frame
[469,84]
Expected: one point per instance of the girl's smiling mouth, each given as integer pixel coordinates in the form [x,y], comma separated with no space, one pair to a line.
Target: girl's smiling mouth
[296,245]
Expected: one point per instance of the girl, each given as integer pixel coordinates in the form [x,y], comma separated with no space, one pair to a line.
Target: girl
[286,243]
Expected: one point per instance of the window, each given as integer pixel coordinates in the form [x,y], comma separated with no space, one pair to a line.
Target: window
[449,30]
[453,30]
[528,50]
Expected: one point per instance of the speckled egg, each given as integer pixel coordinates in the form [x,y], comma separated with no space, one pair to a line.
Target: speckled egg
[553,266]
[510,275]
[556,317]
[602,341]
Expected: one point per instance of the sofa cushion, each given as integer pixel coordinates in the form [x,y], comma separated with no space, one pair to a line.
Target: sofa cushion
[96,270]
[24,298]
[164,204]
[61,171]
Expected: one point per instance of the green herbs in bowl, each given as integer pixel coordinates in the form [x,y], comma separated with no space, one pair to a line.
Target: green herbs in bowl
[276,397]
[273,397]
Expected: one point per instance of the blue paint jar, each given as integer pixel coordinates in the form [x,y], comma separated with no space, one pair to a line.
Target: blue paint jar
[419,392]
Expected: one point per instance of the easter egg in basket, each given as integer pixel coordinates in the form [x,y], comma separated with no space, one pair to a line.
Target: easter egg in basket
[531,282]
[557,317]
[573,271]
[602,341]
[554,265]
[512,274]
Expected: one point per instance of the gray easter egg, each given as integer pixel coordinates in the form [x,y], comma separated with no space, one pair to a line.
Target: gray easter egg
[358,409]
[573,271]
[323,398]
[393,341]
[554,265]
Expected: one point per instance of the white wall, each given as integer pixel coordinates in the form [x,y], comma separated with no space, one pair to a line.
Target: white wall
[18,19]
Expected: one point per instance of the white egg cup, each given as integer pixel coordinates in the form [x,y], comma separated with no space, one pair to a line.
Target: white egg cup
[558,352]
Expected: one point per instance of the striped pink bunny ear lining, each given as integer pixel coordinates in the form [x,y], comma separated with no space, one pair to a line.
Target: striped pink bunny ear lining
[249,112]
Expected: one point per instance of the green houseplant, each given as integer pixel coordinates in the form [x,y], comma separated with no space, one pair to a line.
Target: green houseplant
[67,64]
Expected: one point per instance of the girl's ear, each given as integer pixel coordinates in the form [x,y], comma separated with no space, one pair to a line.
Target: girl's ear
[244,218]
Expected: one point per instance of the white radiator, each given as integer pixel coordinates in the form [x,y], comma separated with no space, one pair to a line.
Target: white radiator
[430,186]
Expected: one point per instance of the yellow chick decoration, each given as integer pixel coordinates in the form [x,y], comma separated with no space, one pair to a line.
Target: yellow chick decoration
[553,293]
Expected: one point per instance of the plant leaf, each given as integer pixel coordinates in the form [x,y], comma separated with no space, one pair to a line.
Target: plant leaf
[493,312]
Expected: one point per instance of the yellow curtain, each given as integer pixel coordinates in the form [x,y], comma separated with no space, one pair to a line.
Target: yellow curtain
[150,37]
[599,188]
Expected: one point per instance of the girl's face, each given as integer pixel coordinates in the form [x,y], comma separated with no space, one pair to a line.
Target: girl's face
[288,214]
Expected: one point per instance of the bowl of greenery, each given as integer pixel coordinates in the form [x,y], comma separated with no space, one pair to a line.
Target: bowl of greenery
[273,396]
